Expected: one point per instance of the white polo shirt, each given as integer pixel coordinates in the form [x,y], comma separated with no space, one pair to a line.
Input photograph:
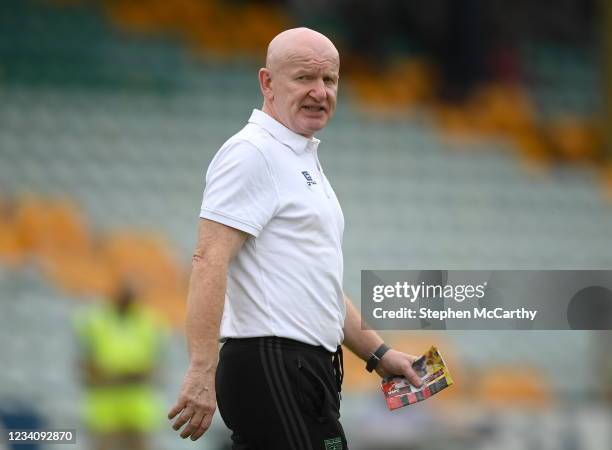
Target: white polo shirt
[286,280]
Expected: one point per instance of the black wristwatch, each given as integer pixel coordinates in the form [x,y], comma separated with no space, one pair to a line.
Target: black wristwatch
[376,357]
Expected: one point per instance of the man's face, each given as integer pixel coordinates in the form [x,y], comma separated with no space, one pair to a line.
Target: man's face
[305,87]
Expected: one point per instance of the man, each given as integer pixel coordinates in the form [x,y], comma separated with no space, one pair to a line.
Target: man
[270,245]
[120,347]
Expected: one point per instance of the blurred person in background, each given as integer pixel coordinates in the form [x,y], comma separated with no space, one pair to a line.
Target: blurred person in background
[120,347]
[267,272]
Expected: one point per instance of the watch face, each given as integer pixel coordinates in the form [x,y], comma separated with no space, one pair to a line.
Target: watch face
[372,363]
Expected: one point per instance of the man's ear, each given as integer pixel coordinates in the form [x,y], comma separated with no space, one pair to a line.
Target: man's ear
[265,83]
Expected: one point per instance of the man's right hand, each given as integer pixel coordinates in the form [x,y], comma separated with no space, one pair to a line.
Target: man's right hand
[196,403]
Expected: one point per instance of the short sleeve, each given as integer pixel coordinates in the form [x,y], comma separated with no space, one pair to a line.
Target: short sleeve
[240,190]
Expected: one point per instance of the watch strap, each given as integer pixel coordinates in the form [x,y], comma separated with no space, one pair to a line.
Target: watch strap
[376,357]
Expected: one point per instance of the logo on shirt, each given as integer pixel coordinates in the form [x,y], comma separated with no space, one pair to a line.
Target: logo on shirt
[309,180]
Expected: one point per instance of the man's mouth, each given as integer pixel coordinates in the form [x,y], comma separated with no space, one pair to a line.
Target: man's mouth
[314,108]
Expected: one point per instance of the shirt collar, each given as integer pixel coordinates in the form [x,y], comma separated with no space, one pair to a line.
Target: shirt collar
[281,133]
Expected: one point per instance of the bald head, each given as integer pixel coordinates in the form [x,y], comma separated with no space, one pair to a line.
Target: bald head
[299,42]
[300,81]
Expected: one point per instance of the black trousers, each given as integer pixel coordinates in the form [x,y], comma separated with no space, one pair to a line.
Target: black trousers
[277,393]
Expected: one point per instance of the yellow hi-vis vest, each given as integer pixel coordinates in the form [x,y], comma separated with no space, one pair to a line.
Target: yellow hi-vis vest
[121,344]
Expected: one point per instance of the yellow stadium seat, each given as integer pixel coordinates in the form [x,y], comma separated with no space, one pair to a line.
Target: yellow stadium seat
[512,386]
[12,251]
[535,152]
[82,275]
[575,139]
[49,227]
[145,259]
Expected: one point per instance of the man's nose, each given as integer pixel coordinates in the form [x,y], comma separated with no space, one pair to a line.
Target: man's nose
[318,91]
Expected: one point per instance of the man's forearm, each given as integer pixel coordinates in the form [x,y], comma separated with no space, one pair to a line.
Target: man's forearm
[359,341]
[205,302]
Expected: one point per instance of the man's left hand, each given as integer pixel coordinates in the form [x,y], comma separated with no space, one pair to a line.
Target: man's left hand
[398,363]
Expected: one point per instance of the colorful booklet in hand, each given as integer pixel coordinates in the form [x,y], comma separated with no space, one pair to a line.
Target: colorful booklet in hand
[434,374]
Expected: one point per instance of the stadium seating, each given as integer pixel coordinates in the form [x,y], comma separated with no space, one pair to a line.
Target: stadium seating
[124,126]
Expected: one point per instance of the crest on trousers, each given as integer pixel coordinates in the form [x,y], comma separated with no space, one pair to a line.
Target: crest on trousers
[333,443]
